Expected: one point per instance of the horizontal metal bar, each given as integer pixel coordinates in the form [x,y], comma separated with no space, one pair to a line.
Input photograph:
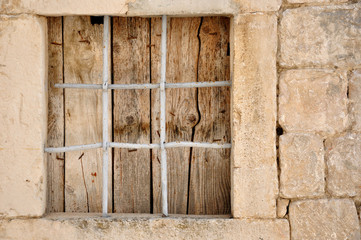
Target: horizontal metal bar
[197,144]
[145,86]
[134,86]
[110,86]
[171,145]
[73,148]
[133,145]
[79,85]
[138,146]
[198,84]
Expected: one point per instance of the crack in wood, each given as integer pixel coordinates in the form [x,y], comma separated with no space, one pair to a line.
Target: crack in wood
[188,181]
[82,172]
[150,45]
[198,111]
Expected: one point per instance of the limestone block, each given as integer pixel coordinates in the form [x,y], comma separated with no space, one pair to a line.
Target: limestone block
[65,7]
[324,219]
[282,205]
[313,100]
[182,7]
[254,91]
[254,192]
[23,106]
[136,7]
[317,1]
[320,36]
[254,116]
[355,99]
[302,166]
[344,165]
[259,5]
[140,227]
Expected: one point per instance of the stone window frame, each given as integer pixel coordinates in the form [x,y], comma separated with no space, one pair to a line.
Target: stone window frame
[254,180]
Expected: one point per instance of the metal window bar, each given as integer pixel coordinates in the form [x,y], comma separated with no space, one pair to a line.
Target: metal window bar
[145,86]
[137,146]
[106,43]
[105,145]
[162,97]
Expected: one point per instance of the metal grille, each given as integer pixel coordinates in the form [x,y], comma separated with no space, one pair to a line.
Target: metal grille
[162,145]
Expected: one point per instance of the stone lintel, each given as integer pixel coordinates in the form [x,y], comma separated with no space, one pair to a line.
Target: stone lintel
[137,7]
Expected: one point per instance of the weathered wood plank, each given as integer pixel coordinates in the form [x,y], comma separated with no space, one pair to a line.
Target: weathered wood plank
[55,161]
[131,113]
[192,115]
[181,107]
[210,168]
[155,58]
[83,115]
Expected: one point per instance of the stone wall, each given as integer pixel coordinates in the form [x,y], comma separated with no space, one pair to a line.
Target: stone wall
[319,142]
[296,122]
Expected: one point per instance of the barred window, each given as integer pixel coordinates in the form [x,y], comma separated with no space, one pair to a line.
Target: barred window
[146,101]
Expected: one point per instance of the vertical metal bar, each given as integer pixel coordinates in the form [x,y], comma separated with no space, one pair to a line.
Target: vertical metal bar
[105,113]
[162,118]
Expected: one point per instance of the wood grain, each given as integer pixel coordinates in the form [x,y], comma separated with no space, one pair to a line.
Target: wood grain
[210,168]
[55,161]
[181,107]
[155,40]
[83,115]
[198,179]
[131,111]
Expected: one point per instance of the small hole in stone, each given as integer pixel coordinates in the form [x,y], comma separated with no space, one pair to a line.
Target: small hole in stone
[228,50]
[287,209]
[279,131]
[96,20]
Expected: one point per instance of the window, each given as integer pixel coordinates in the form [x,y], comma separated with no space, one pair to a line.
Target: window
[163,101]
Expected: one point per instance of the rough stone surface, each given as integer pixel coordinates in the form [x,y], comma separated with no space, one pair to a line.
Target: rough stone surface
[319,36]
[136,7]
[254,193]
[355,99]
[317,1]
[183,7]
[359,215]
[259,5]
[302,166]
[282,207]
[344,165]
[324,219]
[86,227]
[23,116]
[313,101]
[255,182]
[65,7]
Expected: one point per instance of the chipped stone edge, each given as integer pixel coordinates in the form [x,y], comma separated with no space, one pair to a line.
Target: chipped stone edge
[141,8]
[145,227]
